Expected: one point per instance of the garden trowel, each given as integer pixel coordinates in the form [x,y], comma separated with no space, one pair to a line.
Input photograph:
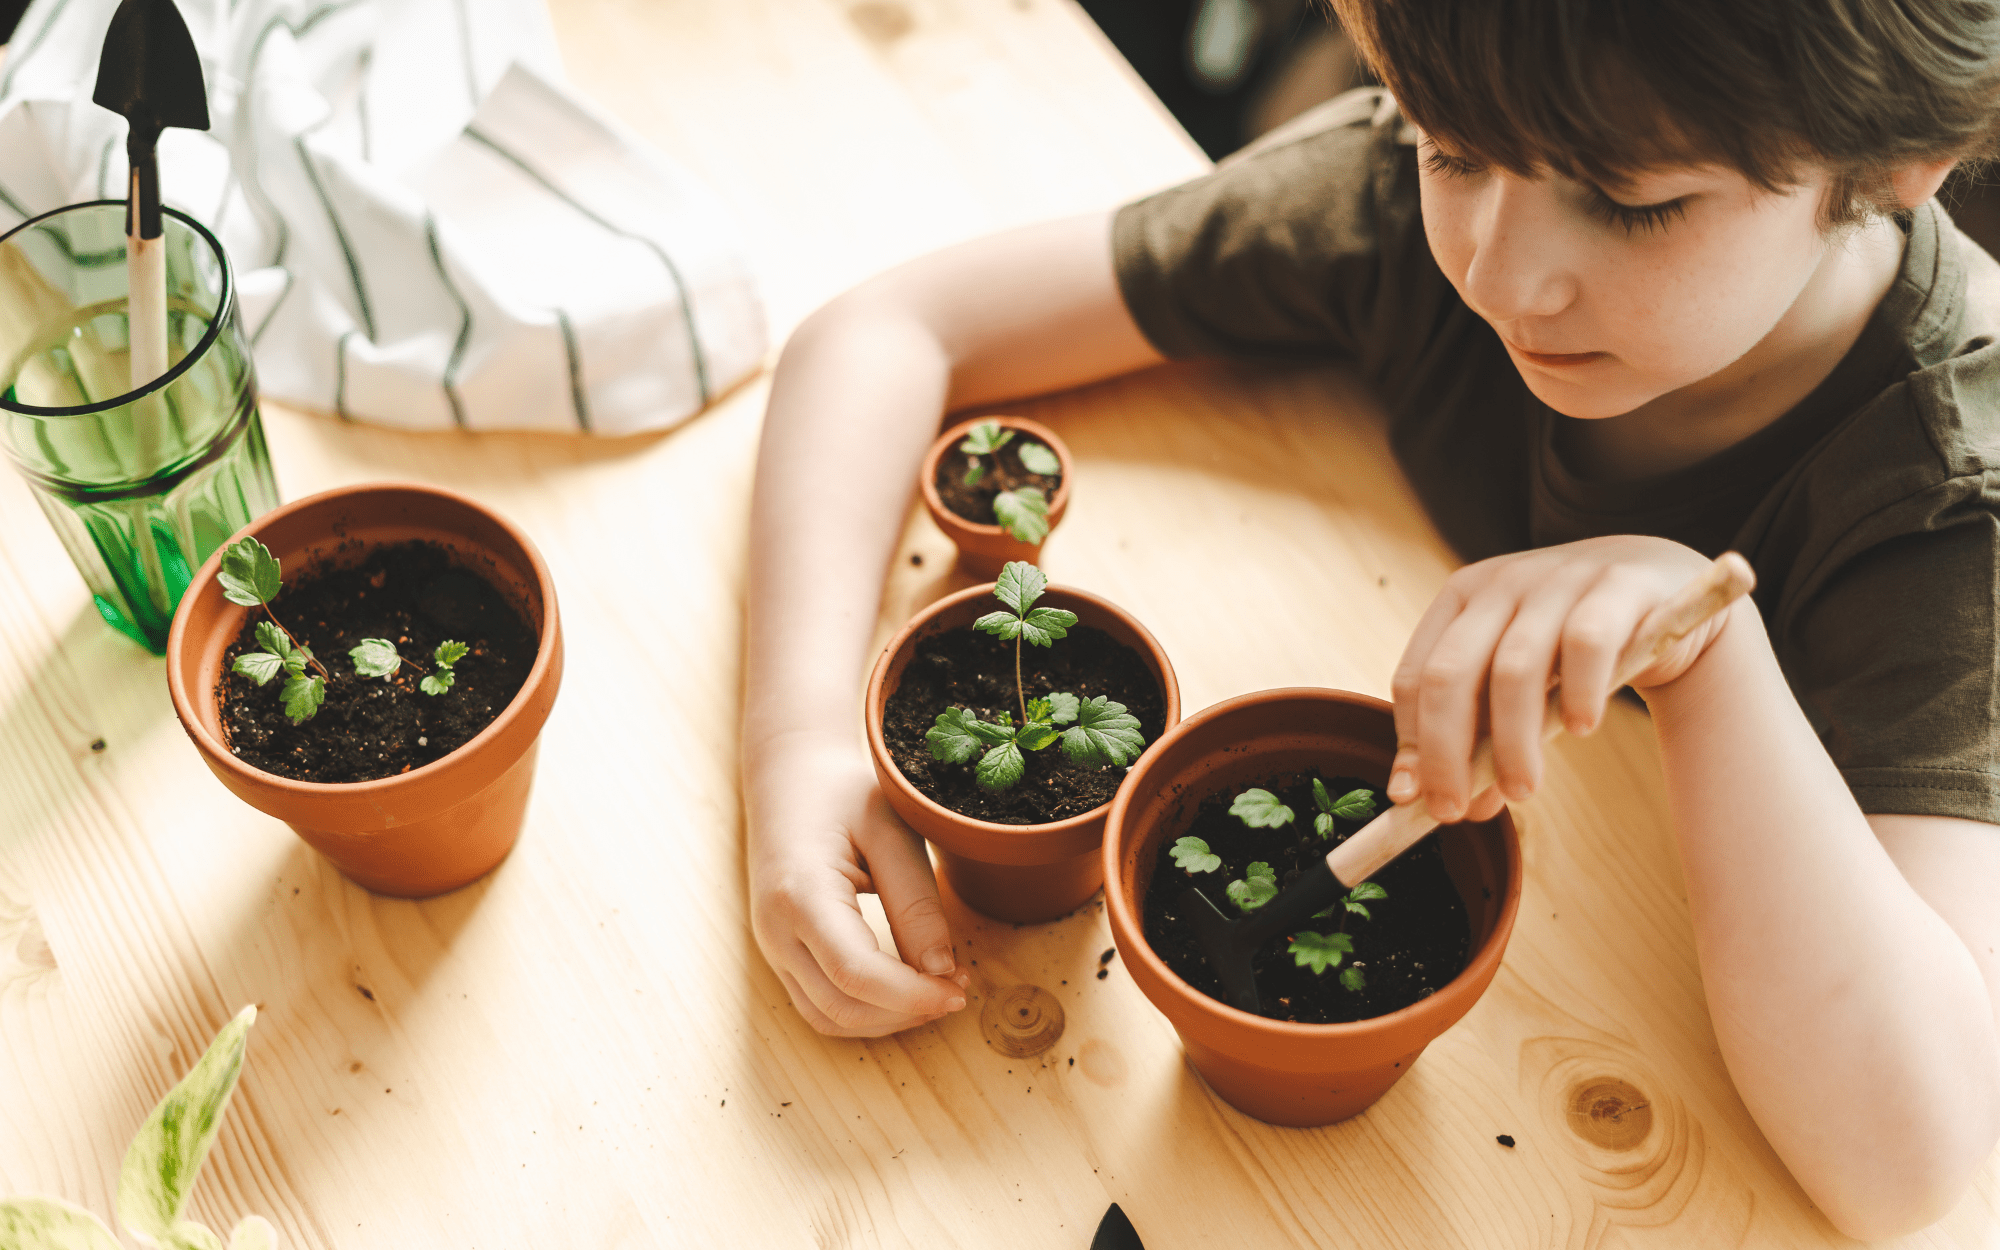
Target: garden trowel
[1115,1232]
[150,74]
[1229,945]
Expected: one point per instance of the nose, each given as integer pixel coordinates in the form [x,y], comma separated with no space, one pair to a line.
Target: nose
[1522,265]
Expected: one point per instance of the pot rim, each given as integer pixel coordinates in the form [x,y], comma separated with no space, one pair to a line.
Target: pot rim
[927,475]
[876,702]
[218,753]
[1129,930]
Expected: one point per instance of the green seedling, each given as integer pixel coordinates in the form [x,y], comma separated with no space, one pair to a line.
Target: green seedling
[251,575]
[1192,855]
[1023,511]
[1354,805]
[377,657]
[159,1171]
[1320,951]
[1093,732]
[1258,887]
[1260,809]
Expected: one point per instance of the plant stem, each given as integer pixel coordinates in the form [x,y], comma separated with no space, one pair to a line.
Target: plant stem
[1018,692]
[311,659]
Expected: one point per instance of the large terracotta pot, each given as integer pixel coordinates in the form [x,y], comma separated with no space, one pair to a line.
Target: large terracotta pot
[433,828]
[1276,1071]
[1019,873]
[984,549]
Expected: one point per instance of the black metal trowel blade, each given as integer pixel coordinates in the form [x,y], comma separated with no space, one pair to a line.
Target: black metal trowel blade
[150,72]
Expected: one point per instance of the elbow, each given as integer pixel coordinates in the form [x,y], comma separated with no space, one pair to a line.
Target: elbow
[1889,1189]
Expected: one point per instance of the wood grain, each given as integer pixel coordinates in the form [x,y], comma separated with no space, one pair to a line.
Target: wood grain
[585,1050]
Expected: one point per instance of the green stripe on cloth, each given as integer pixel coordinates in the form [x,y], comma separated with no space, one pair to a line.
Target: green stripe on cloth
[464,323]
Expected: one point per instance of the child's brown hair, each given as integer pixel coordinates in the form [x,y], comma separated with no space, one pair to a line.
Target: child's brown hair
[1599,89]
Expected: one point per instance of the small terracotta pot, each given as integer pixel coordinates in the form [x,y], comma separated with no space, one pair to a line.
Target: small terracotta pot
[1276,1071]
[984,549]
[1019,873]
[433,828]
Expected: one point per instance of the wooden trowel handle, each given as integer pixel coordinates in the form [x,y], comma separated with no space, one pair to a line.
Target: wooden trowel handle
[1728,579]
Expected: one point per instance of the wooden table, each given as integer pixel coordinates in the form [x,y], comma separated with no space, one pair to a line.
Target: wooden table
[585,1049]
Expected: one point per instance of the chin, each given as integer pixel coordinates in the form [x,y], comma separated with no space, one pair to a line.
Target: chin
[1584,401]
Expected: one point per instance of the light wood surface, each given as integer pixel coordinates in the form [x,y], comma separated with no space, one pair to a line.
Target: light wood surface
[584,1049]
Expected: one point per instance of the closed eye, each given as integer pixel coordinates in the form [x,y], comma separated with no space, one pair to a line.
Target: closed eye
[1637,217]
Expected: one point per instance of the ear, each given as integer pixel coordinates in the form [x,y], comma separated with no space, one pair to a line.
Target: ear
[1913,184]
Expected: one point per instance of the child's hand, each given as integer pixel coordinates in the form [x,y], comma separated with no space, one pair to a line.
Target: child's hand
[1500,634]
[821,834]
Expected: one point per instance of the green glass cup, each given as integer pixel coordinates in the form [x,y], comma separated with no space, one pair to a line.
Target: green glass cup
[141,485]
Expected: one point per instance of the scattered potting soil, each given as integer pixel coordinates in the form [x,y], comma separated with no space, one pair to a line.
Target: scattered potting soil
[416,596]
[965,668]
[1416,940]
[1004,471]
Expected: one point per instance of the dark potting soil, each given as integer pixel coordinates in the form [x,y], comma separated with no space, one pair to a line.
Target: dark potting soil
[416,596]
[964,668]
[1417,939]
[1003,472]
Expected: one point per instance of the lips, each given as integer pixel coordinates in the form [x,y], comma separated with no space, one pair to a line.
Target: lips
[1556,360]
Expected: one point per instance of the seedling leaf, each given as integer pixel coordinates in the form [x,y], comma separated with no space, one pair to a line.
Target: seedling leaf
[1323,825]
[1104,733]
[1320,951]
[253,1232]
[1367,890]
[1352,980]
[1002,625]
[954,737]
[1019,585]
[250,574]
[1043,626]
[438,682]
[52,1224]
[1192,855]
[1260,809]
[273,639]
[258,666]
[1257,888]
[449,652]
[302,696]
[985,438]
[1035,735]
[1038,709]
[1023,512]
[375,657]
[168,1151]
[1000,768]
[1062,708]
[1359,909]
[1354,805]
[1036,458]
[975,469]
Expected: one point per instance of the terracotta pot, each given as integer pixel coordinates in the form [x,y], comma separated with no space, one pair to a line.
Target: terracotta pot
[1276,1071]
[433,828]
[1019,873]
[984,549]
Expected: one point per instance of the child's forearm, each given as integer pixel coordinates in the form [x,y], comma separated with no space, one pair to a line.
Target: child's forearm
[853,405]
[1853,1019]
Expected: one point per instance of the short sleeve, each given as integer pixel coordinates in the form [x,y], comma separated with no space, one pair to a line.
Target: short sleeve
[1308,246]
[1896,662]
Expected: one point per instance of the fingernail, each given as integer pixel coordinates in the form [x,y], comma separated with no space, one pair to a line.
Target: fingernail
[964,980]
[1402,786]
[1445,813]
[954,1003]
[938,961]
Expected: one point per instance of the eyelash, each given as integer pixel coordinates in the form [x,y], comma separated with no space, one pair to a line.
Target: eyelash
[1632,217]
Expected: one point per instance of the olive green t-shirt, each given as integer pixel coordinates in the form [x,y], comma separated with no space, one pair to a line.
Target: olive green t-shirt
[1871,511]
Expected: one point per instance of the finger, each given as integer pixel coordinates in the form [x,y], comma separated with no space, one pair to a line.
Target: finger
[866,1023]
[1487,805]
[908,890]
[1593,634]
[1405,681]
[1450,693]
[1402,785]
[846,956]
[1518,687]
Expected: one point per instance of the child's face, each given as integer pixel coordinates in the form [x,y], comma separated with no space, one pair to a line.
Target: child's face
[1610,298]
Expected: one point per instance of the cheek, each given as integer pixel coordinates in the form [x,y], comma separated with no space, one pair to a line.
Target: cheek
[1447,215]
[1683,305]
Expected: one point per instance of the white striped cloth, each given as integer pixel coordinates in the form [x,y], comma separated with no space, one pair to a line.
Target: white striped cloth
[428,229]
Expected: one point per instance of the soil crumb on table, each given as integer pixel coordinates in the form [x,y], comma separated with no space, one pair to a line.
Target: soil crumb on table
[416,596]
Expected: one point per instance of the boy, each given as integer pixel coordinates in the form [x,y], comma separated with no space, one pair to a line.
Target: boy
[1639,282]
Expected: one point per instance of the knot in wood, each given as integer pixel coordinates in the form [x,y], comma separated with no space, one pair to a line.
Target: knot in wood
[1022,1020]
[1609,1113]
